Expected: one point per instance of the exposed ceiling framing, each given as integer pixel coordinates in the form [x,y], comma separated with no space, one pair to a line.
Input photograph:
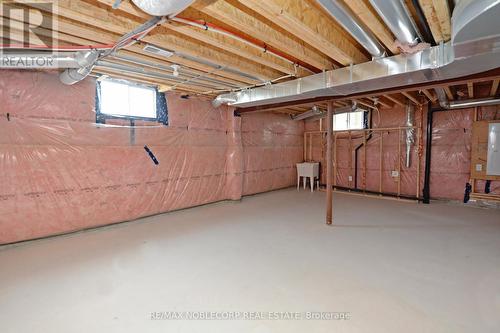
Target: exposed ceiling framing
[275,39]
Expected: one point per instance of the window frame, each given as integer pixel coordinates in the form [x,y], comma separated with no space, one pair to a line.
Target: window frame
[159,98]
[365,121]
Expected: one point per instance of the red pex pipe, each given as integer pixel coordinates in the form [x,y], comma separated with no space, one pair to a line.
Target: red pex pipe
[254,41]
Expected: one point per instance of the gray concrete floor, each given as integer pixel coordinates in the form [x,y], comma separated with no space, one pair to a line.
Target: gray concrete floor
[394,266]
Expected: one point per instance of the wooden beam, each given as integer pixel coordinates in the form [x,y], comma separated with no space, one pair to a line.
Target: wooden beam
[449,94]
[385,102]
[329,167]
[382,101]
[101,19]
[243,21]
[370,18]
[395,99]
[309,24]
[220,41]
[81,34]
[437,14]
[443,15]
[429,95]
[494,88]
[470,89]
[366,103]
[411,96]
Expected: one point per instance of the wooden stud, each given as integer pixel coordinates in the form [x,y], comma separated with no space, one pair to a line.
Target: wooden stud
[395,99]
[449,94]
[335,159]
[412,97]
[470,89]
[494,87]
[305,146]
[311,148]
[350,159]
[429,95]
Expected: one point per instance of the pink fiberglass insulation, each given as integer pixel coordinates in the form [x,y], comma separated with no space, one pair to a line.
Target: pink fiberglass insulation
[272,146]
[61,172]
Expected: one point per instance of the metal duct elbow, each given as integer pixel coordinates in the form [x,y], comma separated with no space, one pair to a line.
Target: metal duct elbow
[444,103]
[395,15]
[442,98]
[86,60]
[163,7]
[224,99]
[347,19]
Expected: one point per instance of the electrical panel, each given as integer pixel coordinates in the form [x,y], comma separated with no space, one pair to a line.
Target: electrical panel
[493,161]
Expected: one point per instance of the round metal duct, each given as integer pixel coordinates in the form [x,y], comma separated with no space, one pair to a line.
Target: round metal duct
[162,7]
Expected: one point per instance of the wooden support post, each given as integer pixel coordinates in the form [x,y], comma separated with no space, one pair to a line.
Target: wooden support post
[329,169]
[381,161]
[419,159]
[334,159]
[399,162]
[365,160]
[350,160]
[311,147]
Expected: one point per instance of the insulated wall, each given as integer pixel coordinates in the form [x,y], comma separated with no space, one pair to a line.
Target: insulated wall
[450,154]
[272,146]
[61,172]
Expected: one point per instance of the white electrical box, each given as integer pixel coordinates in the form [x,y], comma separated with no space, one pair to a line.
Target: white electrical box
[493,166]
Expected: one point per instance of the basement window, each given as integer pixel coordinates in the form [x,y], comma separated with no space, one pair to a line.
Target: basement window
[120,99]
[349,121]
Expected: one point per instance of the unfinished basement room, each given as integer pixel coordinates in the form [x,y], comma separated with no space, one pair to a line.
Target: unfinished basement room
[250,166]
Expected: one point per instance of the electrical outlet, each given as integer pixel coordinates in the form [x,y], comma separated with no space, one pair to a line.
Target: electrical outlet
[395,174]
[479,167]
[350,178]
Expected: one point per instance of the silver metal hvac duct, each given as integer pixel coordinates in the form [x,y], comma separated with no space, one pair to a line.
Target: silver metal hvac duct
[78,65]
[396,16]
[463,104]
[315,111]
[163,7]
[410,132]
[475,48]
[86,61]
[355,27]
[143,72]
[189,74]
